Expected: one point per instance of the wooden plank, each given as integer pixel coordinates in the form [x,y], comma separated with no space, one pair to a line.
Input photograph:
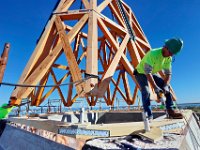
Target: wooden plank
[75,30]
[103,5]
[92,50]
[73,66]
[154,135]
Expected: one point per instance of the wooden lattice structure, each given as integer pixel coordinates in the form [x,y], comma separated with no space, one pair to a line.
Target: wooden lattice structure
[92,40]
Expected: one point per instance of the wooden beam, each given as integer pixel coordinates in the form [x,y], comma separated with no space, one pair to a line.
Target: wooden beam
[113,25]
[143,42]
[40,90]
[71,16]
[110,38]
[140,50]
[135,57]
[76,29]
[134,95]
[92,49]
[70,92]
[86,4]
[115,90]
[103,5]
[112,67]
[53,88]
[82,34]
[73,66]
[58,88]
[126,86]
[59,66]
[40,45]
[109,95]
[3,60]
[120,91]
[117,16]
[37,75]
[66,5]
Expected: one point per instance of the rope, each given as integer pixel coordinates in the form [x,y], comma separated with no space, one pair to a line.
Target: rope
[56,85]
[126,20]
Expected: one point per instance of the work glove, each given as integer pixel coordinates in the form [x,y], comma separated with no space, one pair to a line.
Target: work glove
[158,90]
[166,89]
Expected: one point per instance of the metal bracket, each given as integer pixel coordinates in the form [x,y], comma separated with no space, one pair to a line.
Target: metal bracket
[82,131]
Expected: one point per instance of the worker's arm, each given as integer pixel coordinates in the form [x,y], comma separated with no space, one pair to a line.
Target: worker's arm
[167,79]
[148,70]
[151,80]
[168,72]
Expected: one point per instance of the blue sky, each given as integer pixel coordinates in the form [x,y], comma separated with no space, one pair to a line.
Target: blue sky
[22,21]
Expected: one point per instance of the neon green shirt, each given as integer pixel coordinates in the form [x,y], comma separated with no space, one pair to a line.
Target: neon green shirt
[153,62]
[5,111]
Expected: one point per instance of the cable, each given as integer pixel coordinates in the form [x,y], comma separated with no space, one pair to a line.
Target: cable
[126,20]
[56,85]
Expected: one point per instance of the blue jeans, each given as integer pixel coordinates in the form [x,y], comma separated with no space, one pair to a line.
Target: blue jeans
[143,83]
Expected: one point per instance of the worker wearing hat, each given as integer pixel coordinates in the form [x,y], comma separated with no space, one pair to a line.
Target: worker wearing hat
[5,109]
[156,60]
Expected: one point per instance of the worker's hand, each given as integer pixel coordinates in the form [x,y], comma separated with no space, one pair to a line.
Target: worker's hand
[166,89]
[158,90]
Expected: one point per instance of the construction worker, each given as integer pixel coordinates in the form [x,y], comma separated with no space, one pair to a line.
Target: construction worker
[154,61]
[5,109]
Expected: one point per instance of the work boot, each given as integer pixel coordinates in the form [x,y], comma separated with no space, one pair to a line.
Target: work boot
[173,114]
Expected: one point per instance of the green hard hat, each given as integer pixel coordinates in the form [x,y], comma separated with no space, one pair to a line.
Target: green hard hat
[174,45]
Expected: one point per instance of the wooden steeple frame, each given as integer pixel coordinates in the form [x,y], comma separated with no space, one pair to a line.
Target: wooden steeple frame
[96,38]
